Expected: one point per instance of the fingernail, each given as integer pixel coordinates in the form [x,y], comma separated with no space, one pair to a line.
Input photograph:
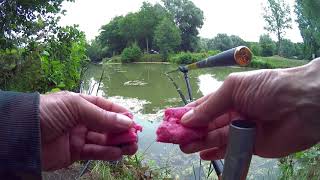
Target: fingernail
[124,121]
[188,116]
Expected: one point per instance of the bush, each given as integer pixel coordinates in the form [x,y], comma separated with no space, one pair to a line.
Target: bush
[260,64]
[130,54]
[287,48]
[256,49]
[9,59]
[267,45]
[188,58]
[152,58]
[56,63]
[301,165]
[113,59]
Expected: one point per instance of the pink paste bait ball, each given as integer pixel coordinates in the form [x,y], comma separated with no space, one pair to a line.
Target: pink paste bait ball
[124,138]
[172,131]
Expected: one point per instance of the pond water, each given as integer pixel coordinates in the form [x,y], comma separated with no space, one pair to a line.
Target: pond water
[146,91]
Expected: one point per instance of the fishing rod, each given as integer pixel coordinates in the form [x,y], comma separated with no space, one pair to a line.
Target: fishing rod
[88,162]
[240,56]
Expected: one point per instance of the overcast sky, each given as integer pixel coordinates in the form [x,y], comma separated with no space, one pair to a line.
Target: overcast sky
[238,17]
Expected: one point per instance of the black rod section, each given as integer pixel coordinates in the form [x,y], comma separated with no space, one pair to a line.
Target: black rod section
[178,89]
[186,78]
[217,164]
[218,167]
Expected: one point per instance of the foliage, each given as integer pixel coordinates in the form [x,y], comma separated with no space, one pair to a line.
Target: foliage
[138,27]
[35,53]
[96,52]
[113,59]
[267,45]
[42,67]
[142,27]
[311,7]
[130,168]
[278,19]
[152,58]
[66,56]
[308,19]
[167,37]
[131,54]
[204,44]
[149,18]
[260,64]
[9,60]
[301,165]
[24,21]
[112,37]
[222,42]
[288,49]
[237,41]
[275,62]
[255,48]
[188,18]
[188,57]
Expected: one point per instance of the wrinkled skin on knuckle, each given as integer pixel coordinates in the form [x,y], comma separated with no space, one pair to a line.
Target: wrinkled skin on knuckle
[58,113]
[254,92]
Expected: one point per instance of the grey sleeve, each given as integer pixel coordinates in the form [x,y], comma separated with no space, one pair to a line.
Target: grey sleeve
[19,136]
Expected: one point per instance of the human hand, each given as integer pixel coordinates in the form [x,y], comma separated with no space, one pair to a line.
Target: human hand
[75,127]
[284,104]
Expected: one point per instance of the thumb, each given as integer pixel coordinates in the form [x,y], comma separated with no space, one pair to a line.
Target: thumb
[215,105]
[100,120]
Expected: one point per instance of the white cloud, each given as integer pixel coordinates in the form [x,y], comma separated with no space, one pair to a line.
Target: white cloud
[238,17]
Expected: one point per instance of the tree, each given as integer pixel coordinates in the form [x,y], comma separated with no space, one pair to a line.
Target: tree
[96,52]
[23,21]
[288,48]
[278,20]
[308,20]
[222,42]
[237,41]
[311,7]
[138,27]
[267,45]
[167,37]
[255,48]
[204,44]
[148,18]
[189,19]
[112,36]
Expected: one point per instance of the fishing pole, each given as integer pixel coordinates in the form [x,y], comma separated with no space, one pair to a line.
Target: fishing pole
[241,56]
[85,167]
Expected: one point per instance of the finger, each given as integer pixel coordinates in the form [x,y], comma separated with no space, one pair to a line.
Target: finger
[216,138]
[100,120]
[104,103]
[214,153]
[223,120]
[130,149]
[198,101]
[96,138]
[218,103]
[97,152]
[77,141]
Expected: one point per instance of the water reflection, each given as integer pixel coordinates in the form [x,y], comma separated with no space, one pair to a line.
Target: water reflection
[207,83]
[146,91]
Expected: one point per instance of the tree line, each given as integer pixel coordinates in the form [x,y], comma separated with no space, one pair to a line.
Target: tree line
[36,54]
[168,27]
[173,26]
